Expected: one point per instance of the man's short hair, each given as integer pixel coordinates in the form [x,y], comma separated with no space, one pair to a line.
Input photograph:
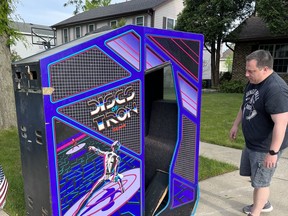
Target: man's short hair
[262,57]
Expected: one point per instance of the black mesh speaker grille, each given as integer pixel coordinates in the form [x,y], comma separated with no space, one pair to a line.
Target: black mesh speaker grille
[185,161]
[127,132]
[83,71]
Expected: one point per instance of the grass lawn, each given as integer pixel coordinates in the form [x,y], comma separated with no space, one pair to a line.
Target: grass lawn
[218,113]
[11,163]
[209,168]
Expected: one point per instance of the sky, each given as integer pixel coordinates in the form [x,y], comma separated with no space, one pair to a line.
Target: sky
[44,12]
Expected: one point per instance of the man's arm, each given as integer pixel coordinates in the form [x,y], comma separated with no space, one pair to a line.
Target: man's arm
[96,150]
[280,124]
[234,129]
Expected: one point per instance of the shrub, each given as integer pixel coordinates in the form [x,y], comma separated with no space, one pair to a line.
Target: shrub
[225,76]
[206,83]
[235,86]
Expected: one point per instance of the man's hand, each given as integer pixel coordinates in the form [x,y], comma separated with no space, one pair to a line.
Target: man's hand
[270,161]
[233,132]
[92,148]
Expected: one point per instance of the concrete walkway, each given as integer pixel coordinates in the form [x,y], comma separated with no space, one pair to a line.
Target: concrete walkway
[227,194]
[2,213]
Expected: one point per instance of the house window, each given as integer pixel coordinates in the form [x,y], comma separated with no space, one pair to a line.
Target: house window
[77,32]
[91,27]
[280,55]
[140,21]
[170,23]
[113,23]
[65,35]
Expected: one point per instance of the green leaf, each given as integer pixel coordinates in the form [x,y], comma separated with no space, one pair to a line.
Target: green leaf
[274,13]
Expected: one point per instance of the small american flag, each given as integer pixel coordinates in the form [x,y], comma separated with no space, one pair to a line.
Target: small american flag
[3,188]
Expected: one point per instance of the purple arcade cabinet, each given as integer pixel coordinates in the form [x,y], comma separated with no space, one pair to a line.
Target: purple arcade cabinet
[109,124]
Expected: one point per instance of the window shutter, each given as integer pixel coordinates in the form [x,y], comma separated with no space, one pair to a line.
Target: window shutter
[164,22]
[133,21]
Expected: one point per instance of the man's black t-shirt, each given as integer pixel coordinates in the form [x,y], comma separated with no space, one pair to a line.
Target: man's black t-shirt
[259,102]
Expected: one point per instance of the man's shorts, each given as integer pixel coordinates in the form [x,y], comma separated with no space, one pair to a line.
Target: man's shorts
[252,165]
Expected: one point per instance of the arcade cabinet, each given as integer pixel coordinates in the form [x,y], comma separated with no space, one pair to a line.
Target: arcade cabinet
[109,124]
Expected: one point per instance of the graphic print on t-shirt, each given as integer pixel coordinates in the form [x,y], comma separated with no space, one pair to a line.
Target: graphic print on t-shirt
[249,111]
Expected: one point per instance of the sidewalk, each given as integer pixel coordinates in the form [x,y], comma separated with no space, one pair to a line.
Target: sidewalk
[2,213]
[227,194]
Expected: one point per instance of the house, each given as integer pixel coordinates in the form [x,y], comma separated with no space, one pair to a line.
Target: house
[152,13]
[34,39]
[224,61]
[251,35]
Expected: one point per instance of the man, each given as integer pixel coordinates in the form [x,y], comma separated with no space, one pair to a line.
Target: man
[264,117]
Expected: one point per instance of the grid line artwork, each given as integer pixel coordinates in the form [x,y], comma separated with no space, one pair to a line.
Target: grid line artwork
[83,71]
[128,47]
[120,122]
[189,95]
[184,52]
[182,193]
[186,153]
[152,59]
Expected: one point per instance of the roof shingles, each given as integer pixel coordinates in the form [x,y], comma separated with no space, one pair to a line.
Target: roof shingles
[252,29]
[112,10]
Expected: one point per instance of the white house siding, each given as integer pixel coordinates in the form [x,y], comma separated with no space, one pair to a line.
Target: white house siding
[84,27]
[129,20]
[103,23]
[223,66]
[149,19]
[59,37]
[206,75]
[170,10]
[71,33]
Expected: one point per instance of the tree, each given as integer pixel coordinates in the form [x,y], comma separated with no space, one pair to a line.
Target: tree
[274,13]
[80,5]
[214,19]
[15,56]
[229,62]
[7,36]
[122,22]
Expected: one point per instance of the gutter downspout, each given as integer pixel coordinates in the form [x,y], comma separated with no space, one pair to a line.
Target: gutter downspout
[152,15]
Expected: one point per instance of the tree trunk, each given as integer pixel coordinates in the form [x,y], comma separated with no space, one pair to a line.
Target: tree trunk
[217,63]
[7,100]
[213,69]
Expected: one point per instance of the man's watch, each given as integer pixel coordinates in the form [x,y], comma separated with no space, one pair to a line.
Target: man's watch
[272,152]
